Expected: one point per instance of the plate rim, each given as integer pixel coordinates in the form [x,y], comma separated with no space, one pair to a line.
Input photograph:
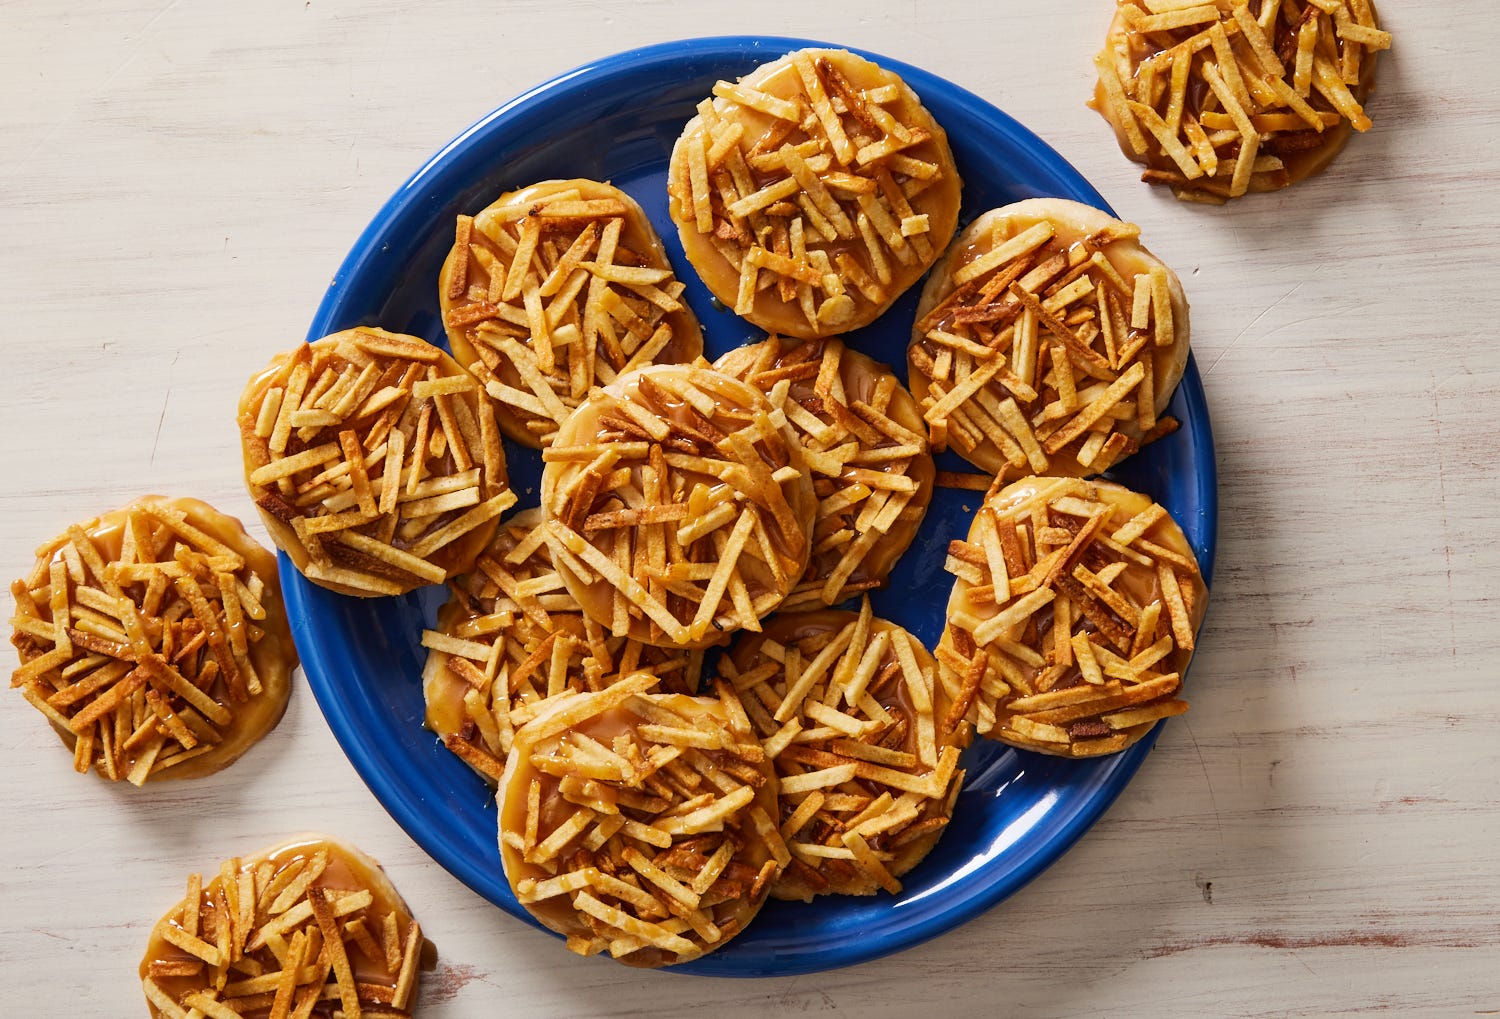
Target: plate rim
[390,219]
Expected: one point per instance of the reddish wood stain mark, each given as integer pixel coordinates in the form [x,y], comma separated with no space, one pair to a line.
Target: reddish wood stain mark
[1328,939]
[447,982]
[1413,801]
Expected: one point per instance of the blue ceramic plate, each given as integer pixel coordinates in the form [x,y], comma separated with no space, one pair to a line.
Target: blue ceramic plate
[616,120]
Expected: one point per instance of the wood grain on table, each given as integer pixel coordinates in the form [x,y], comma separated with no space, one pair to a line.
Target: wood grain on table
[1319,835]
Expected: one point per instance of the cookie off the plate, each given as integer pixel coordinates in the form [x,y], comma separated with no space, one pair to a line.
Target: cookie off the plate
[1220,101]
[155,641]
[309,927]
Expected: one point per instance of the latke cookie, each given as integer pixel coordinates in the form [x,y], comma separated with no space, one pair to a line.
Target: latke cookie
[310,927]
[640,824]
[554,289]
[1072,619]
[510,637]
[1047,341]
[812,192]
[678,506]
[375,461]
[1218,102]
[849,709]
[866,444]
[155,641]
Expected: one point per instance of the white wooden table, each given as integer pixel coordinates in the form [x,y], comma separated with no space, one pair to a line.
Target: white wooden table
[1321,834]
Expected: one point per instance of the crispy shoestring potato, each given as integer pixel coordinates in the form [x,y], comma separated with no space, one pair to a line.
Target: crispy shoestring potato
[812,192]
[1072,619]
[641,824]
[678,506]
[557,288]
[964,481]
[1222,97]
[154,640]
[866,444]
[511,637]
[1048,341]
[375,461]
[848,707]
[311,927]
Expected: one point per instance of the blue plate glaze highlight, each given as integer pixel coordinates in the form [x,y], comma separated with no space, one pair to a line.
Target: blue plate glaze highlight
[617,120]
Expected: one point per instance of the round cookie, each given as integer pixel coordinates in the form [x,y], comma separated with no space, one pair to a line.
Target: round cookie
[309,927]
[375,461]
[510,637]
[155,641]
[849,709]
[812,192]
[554,289]
[1191,92]
[1096,563]
[866,444]
[1037,337]
[678,508]
[620,803]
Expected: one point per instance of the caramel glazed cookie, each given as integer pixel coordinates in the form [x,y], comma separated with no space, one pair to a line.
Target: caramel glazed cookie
[864,439]
[375,461]
[1073,617]
[510,638]
[310,927]
[1048,340]
[1218,101]
[154,640]
[812,192]
[864,744]
[555,289]
[678,506]
[640,823]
